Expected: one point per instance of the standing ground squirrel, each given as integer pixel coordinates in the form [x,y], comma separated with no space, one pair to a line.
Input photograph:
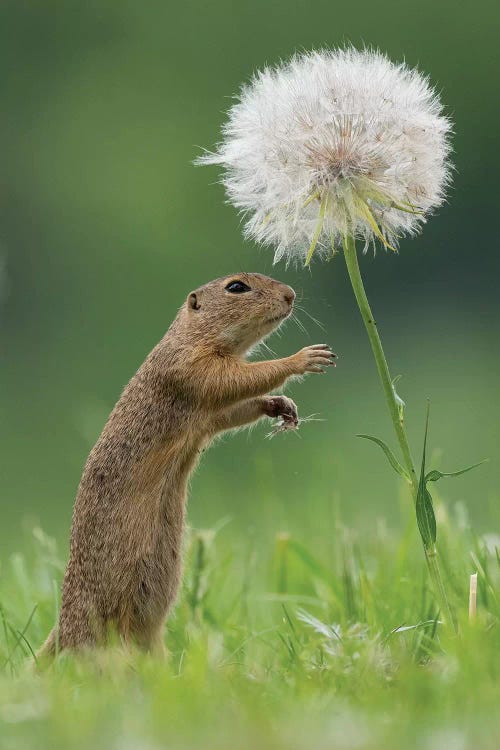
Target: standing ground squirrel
[128,521]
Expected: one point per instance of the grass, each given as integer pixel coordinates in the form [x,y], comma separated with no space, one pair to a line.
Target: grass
[271,646]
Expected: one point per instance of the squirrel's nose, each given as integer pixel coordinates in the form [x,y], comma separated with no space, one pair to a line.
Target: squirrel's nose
[289,295]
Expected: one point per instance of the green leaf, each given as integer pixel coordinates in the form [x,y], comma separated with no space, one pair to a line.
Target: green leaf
[424,508]
[434,475]
[389,455]
[426,519]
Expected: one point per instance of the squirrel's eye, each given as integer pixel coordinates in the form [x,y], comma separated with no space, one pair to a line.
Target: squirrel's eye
[237,287]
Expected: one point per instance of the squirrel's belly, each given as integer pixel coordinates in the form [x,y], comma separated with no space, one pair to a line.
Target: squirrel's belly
[126,557]
[172,462]
[155,566]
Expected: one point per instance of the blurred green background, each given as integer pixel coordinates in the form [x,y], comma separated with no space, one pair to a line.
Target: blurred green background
[106,226]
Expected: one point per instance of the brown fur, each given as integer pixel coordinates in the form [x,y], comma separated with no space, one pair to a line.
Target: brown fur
[124,568]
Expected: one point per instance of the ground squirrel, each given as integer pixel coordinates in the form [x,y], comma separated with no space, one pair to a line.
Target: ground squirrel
[126,538]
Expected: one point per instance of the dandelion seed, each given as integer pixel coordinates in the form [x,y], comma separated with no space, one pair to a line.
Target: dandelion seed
[334,143]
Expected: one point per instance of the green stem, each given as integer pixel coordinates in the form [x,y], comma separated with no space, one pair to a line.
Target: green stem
[397,419]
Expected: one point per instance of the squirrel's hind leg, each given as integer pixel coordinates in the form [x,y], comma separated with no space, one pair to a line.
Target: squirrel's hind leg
[157,645]
[152,641]
[46,653]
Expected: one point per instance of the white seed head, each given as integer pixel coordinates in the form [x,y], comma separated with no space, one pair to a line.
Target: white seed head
[334,143]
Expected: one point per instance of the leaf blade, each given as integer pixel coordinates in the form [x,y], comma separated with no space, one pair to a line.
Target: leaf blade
[389,455]
[424,509]
[435,475]
[426,520]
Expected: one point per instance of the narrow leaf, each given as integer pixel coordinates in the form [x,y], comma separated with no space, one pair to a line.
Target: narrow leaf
[389,455]
[426,519]
[434,475]
[424,509]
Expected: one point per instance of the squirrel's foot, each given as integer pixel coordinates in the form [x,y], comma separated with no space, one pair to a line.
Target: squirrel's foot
[284,408]
[314,358]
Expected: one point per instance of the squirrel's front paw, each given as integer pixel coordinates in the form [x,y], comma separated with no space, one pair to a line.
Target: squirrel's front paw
[281,406]
[314,358]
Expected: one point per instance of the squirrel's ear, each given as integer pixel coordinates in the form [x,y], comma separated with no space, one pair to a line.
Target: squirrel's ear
[193,301]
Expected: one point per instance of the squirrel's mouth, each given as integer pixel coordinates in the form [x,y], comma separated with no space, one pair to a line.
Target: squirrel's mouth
[278,318]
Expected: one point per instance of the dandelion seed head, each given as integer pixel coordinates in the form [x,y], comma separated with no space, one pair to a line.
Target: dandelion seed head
[334,143]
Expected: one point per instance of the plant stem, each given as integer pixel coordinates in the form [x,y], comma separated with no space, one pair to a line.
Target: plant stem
[397,418]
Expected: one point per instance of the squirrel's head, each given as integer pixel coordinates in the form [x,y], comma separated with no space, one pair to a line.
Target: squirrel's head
[239,310]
